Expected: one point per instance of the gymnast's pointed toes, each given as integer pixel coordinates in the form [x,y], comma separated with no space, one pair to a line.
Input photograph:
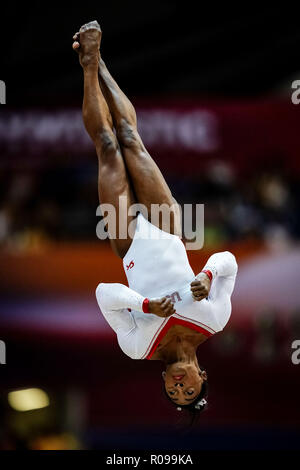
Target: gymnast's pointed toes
[91,25]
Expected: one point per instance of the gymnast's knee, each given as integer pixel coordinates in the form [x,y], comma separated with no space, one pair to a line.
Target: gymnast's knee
[127,134]
[106,143]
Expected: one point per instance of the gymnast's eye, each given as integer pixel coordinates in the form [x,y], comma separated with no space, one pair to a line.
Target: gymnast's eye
[190,392]
[171,392]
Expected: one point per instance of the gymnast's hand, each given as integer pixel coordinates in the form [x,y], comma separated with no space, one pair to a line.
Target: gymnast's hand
[200,287]
[163,307]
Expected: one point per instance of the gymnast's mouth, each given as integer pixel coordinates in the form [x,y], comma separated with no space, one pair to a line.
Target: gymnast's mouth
[178,377]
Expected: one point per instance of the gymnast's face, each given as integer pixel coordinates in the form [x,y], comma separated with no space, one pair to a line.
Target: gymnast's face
[183,382]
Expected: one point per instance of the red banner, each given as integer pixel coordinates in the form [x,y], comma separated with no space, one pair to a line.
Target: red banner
[182,136]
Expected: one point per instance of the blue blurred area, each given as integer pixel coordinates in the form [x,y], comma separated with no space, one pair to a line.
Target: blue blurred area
[201,440]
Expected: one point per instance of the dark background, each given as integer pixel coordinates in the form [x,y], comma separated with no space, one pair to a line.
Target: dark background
[235,66]
[154,48]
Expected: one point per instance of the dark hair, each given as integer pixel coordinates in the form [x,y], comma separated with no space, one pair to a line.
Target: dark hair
[194,408]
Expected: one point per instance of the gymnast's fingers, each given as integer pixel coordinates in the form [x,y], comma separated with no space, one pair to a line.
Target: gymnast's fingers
[196,283]
[198,288]
[169,310]
[166,301]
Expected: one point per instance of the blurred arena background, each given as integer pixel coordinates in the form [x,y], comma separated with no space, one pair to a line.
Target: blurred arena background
[213,99]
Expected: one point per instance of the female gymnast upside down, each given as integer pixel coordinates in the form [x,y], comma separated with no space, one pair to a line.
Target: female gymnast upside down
[167,311]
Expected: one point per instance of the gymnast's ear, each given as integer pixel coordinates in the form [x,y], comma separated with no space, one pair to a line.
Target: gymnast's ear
[163,375]
[203,374]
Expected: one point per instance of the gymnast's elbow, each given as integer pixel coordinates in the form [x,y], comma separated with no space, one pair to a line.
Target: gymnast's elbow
[102,296]
[231,262]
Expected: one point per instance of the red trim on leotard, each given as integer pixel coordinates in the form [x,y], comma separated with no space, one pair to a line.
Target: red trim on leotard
[175,321]
[208,273]
[146,305]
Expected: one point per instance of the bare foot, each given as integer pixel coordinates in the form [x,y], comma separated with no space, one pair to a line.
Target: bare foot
[87,43]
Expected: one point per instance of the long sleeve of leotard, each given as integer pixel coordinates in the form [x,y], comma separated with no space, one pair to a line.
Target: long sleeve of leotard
[223,267]
[222,264]
[114,301]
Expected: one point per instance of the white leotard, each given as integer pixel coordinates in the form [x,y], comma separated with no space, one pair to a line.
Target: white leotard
[156,265]
[156,261]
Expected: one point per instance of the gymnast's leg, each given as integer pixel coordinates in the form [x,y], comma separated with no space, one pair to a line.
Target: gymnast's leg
[113,180]
[148,182]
